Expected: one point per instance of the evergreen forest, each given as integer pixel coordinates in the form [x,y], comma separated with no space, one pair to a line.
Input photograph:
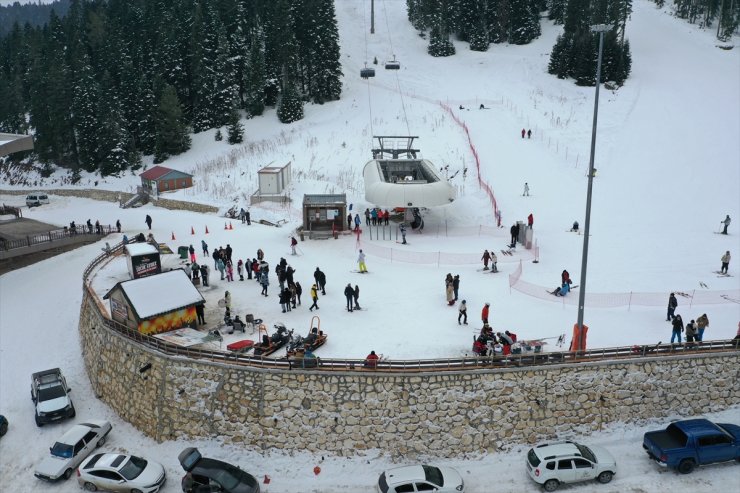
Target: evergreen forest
[113,80]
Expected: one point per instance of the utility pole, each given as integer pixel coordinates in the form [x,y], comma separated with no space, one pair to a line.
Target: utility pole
[372,16]
[599,28]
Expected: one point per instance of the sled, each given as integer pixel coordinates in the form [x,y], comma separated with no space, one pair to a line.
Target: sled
[240,347]
[298,345]
[277,340]
[270,223]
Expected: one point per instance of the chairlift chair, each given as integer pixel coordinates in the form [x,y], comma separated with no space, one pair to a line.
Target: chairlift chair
[367,72]
[393,64]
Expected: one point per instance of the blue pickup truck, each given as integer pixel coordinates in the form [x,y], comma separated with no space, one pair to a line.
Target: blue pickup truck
[683,445]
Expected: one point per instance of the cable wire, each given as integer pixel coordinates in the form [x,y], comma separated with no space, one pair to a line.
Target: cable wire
[398,81]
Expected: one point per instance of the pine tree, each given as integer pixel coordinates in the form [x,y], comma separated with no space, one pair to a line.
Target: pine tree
[254,77]
[290,106]
[439,40]
[172,136]
[556,10]
[235,128]
[479,37]
[85,118]
[525,22]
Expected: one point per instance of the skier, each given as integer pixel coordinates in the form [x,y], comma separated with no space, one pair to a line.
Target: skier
[677,329]
[726,222]
[484,313]
[565,277]
[462,313]
[204,246]
[725,262]
[529,133]
[524,132]
[402,227]
[293,244]
[574,227]
[486,258]
[361,262]
[672,304]
[349,294]
[563,289]
[314,297]
[526,190]
[530,221]
[148,221]
[494,259]
[118,225]
[320,279]
[456,285]
[701,324]
[356,296]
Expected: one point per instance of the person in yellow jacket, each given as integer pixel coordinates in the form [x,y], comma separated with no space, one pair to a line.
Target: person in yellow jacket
[314,297]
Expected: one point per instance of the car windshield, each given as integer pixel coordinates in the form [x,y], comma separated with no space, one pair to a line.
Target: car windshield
[533,459]
[133,468]
[50,393]
[586,453]
[61,450]
[229,477]
[433,475]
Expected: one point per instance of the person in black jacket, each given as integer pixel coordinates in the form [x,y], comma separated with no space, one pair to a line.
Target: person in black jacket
[672,304]
[514,230]
[285,300]
[456,285]
[298,292]
[320,278]
[349,293]
[677,328]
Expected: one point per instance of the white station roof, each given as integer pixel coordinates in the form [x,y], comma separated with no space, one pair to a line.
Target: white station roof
[136,249]
[405,183]
[161,293]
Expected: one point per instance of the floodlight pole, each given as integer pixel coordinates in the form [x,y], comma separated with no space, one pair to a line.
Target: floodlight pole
[372,16]
[599,28]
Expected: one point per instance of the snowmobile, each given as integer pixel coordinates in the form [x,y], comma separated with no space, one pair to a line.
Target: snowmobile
[270,344]
[315,339]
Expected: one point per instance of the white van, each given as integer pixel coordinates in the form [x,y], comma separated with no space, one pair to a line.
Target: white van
[36,199]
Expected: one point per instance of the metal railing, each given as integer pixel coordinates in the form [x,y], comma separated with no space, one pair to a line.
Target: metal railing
[54,235]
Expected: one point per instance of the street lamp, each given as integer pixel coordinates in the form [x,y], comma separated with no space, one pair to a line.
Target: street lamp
[601,29]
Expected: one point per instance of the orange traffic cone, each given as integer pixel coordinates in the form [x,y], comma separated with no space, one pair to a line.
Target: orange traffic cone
[230,225]
[173,236]
[192,230]
[226,226]
[267,479]
[206,229]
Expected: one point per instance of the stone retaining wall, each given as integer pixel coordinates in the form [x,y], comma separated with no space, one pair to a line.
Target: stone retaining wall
[113,196]
[444,414]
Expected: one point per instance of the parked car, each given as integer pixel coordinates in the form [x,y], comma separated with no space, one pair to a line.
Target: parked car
[3,425]
[420,478]
[71,449]
[50,394]
[551,464]
[210,475]
[120,473]
[35,199]
[683,445]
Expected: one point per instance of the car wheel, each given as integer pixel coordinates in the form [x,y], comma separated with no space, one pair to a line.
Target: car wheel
[90,487]
[605,477]
[100,443]
[68,473]
[686,466]
[38,422]
[74,412]
[551,484]
[3,429]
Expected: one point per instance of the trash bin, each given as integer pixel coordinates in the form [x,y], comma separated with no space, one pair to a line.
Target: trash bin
[182,251]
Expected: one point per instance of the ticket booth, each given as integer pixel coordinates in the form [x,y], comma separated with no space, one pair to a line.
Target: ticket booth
[142,260]
[325,212]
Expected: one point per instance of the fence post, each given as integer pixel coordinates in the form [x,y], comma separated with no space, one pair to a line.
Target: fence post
[629,305]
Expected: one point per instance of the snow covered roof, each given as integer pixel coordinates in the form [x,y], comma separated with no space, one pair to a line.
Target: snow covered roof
[405,183]
[135,249]
[158,172]
[160,293]
[10,143]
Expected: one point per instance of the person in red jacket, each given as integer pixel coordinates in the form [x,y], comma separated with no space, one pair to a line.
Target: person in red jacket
[371,361]
[530,221]
[484,313]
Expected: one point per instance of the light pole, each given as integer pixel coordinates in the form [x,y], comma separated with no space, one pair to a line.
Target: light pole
[601,29]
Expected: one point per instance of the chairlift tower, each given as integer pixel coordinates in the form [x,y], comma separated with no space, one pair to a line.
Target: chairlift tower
[394,146]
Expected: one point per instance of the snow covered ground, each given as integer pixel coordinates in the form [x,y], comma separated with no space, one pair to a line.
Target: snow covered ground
[668,171]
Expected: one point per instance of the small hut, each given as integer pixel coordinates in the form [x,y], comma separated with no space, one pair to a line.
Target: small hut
[142,260]
[324,212]
[161,179]
[155,304]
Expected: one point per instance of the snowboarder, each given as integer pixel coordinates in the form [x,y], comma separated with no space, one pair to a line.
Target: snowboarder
[361,262]
[148,221]
[462,313]
[314,297]
[726,222]
[529,133]
[701,324]
[494,260]
[456,285]
[349,293]
[484,313]
[672,304]
[191,251]
[486,258]
[118,225]
[204,246]
[293,244]
[356,296]
[402,228]
[320,279]
[725,262]
[450,294]
[524,132]
[526,190]
[530,221]
[677,329]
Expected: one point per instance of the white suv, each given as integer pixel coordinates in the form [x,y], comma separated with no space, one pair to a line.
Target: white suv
[568,462]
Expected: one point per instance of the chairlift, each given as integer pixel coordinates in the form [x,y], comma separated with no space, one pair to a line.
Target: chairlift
[393,64]
[367,72]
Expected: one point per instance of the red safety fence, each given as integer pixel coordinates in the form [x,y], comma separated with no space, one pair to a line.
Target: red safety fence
[438,258]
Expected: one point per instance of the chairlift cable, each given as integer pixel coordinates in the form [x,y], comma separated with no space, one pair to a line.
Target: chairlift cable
[369,99]
[398,81]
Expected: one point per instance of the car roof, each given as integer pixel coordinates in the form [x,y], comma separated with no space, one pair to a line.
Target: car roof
[556,450]
[78,431]
[696,426]
[404,474]
[106,461]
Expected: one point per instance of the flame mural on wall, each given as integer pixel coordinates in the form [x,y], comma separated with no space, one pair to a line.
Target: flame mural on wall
[169,321]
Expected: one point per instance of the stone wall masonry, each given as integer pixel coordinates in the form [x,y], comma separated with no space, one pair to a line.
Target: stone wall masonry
[113,196]
[444,414]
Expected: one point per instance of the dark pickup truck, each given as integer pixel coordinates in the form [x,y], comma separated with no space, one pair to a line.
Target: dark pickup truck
[683,445]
